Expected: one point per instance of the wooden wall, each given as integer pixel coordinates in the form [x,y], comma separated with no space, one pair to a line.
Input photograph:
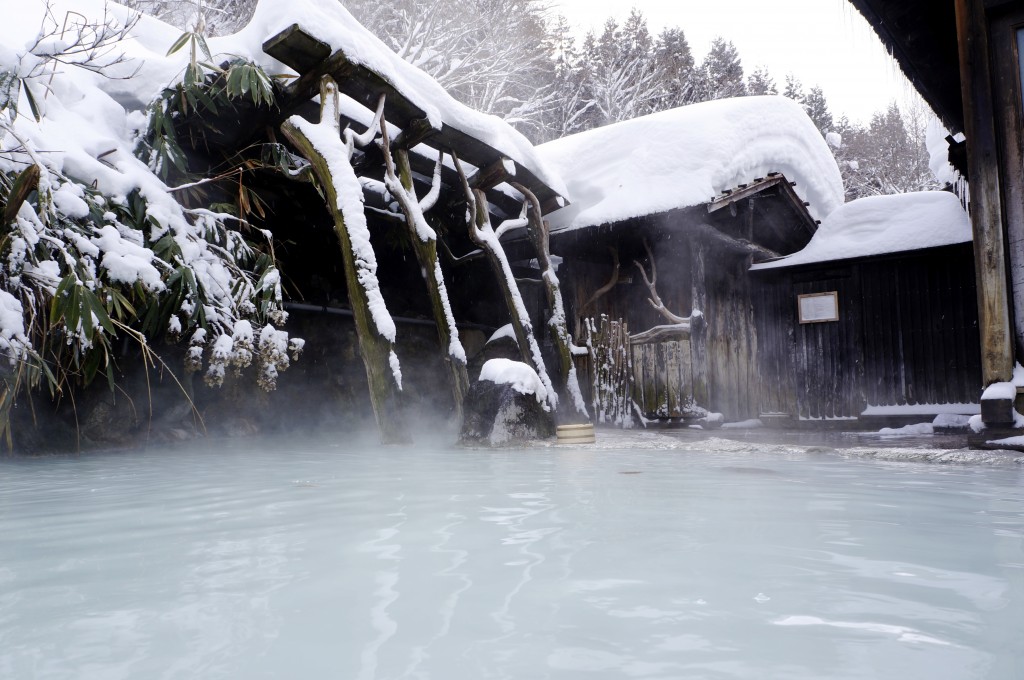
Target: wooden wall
[692,274]
[907,334]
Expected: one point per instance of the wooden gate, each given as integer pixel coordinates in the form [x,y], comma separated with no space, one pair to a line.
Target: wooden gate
[663,374]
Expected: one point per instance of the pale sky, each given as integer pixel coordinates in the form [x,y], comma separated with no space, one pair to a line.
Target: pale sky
[822,42]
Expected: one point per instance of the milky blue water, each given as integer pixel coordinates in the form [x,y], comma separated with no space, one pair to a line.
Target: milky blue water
[327,559]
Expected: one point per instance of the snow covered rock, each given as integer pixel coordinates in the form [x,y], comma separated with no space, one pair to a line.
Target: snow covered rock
[506,405]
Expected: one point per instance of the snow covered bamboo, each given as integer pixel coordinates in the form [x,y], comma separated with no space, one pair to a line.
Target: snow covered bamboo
[322,146]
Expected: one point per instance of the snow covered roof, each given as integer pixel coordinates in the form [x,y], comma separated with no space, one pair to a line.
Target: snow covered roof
[686,156]
[878,225]
[332,24]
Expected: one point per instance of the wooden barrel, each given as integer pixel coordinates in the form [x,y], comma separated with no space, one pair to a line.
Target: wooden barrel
[576,434]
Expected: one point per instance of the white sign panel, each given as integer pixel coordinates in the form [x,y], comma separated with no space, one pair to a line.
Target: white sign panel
[818,307]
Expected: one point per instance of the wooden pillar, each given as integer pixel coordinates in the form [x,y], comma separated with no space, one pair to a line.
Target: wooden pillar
[987,212]
[698,324]
[426,256]
[336,176]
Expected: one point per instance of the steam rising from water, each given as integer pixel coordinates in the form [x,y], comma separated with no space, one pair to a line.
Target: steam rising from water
[245,559]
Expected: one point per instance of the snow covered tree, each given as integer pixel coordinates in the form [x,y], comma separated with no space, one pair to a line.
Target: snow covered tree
[817,110]
[569,105]
[215,17]
[721,72]
[673,61]
[761,82]
[793,89]
[888,156]
[98,249]
[492,55]
[619,76]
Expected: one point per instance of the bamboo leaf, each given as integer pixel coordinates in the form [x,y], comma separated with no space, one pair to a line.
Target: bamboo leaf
[32,103]
[203,46]
[10,89]
[179,43]
[26,182]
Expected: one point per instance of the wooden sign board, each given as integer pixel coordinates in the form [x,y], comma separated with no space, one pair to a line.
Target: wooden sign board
[818,307]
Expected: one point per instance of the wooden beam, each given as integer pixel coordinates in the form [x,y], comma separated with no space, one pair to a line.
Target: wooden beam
[492,175]
[305,54]
[297,49]
[735,195]
[987,212]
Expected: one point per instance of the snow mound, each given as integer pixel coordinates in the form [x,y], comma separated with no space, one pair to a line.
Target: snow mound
[687,156]
[521,377]
[938,152]
[909,430]
[877,225]
[505,331]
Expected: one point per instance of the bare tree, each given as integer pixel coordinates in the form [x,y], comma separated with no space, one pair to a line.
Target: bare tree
[213,17]
[492,55]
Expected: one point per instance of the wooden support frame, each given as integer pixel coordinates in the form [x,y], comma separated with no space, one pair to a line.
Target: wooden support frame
[313,58]
[987,213]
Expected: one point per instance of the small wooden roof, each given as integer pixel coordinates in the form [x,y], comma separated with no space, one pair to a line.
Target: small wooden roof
[313,58]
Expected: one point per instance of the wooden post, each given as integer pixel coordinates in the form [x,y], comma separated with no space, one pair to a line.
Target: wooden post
[376,348]
[698,324]
[482,235]
[997,357]
[537,229]
[425,247]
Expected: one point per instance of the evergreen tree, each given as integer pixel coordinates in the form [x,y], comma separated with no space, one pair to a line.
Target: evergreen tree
[722,71]
[794,88]
[761,82]
[888,156]
[619,74]
[570,107]
[816,107]
[673,61]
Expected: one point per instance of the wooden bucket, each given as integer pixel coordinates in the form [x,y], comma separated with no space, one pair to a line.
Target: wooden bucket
[576,434]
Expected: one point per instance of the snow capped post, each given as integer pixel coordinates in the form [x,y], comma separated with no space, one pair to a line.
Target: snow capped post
[321,144]
[484,236]
[537,229]
[424,243]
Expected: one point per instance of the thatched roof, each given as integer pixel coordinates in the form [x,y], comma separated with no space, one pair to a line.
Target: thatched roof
[921,34]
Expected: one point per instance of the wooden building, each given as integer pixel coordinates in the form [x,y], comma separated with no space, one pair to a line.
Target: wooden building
[696,260]
[876,317]
[668,213]
[964,56]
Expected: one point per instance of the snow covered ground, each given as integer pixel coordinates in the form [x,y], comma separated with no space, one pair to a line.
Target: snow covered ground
[622,440]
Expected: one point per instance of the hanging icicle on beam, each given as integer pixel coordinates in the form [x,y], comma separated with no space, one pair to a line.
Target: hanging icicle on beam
[321,144]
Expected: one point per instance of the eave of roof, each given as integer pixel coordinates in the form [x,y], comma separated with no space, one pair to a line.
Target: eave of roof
[921,36]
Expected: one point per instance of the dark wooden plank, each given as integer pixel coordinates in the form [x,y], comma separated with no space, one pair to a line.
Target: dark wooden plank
[736,195]
[297,49]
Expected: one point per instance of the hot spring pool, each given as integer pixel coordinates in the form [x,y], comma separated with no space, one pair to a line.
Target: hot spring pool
[325,559]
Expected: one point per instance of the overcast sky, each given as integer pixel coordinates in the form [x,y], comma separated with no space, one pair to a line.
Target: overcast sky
[822,42]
